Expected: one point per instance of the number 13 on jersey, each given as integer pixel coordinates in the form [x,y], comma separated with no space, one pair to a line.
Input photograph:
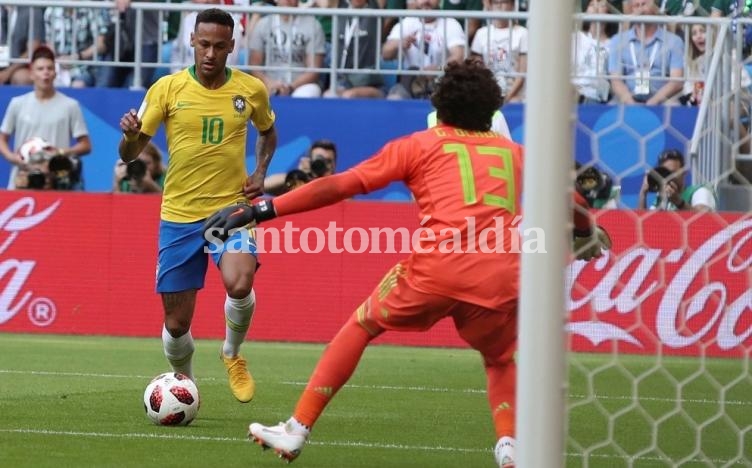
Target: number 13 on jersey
[504,172]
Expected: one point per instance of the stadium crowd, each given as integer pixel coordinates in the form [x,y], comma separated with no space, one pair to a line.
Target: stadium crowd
[613,61]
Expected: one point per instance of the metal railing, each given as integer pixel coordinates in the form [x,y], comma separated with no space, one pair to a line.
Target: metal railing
[715,141]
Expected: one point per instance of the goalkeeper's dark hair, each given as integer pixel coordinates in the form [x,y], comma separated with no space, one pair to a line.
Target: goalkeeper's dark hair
[467,95]
[214,16]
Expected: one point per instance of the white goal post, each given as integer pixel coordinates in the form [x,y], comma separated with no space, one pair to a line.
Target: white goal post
[541,371]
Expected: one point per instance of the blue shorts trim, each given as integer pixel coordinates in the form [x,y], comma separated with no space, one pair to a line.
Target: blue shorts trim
[182,260]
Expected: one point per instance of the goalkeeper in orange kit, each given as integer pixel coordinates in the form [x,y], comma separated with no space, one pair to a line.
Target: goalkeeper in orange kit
[456,170]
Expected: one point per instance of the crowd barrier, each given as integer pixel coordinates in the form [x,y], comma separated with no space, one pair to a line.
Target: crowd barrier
[85,263]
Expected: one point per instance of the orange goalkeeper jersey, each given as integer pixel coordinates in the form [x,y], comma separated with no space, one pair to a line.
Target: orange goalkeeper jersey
[467,186]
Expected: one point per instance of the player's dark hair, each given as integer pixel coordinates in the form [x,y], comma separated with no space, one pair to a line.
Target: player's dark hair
[215,16]
[467,95]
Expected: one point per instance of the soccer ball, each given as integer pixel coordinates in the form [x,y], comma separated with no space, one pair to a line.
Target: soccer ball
[171,399]
[32,147]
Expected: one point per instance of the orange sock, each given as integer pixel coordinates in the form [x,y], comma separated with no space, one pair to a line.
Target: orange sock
[501,396]
[333,370]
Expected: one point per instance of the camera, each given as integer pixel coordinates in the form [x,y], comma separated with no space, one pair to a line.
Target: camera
[657,178]
[62,176]
[135,170]
[593,184]
[36,179]
[319,165]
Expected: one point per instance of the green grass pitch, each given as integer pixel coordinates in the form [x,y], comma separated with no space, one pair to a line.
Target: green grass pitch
[69,401]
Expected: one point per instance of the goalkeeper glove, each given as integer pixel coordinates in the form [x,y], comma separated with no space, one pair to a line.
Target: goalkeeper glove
[226,220]
[590,245]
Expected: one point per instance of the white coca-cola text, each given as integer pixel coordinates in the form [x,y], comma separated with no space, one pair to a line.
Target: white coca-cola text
[14,219]
[623,286]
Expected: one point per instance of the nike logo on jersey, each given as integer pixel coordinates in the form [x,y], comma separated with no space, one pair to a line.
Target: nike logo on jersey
[183,104]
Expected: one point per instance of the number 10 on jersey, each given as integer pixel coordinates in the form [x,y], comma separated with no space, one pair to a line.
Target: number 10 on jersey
[212,130]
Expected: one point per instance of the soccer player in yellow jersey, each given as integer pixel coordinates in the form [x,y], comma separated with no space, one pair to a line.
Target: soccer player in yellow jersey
[205,110]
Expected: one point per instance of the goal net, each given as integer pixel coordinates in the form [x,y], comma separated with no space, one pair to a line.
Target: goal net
[660,328]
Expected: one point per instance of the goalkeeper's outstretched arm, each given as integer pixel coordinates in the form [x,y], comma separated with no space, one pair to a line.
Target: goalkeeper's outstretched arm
[319,193]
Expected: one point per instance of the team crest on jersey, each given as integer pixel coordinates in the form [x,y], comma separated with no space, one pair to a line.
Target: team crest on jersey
[238,103]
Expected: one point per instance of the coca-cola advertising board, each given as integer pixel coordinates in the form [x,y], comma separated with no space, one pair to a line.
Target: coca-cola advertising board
[677,284]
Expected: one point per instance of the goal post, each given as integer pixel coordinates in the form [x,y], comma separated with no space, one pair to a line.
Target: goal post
[541,397]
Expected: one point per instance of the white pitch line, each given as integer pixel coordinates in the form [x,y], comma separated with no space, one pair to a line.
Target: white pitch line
[606,456]
[333,443]
[85,374]
[391,387]
[400,388]
[347,444]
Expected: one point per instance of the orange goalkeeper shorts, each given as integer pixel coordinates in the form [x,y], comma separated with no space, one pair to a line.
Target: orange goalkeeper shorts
[395,305]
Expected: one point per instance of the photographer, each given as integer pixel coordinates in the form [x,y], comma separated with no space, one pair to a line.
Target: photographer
[144,174]
[46,170]
[46,113]
[320,160]
[666,180]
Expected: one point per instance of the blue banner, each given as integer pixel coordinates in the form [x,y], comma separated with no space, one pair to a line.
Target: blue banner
[624,141]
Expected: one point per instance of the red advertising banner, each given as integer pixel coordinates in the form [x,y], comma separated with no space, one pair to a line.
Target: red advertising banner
[85,264]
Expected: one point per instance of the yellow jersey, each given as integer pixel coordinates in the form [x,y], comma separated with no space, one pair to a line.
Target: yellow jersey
[206,136]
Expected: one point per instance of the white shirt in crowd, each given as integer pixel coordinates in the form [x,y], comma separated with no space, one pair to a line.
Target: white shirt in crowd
[433,40]
[500,49]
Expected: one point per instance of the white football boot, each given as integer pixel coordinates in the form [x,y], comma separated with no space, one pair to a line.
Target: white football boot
[282,438]
[504,452]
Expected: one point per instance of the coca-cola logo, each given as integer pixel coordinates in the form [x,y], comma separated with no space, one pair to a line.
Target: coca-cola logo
[627,281]
[14,273]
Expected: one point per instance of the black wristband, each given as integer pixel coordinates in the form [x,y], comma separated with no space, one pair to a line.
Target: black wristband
[682,205]
[264,210]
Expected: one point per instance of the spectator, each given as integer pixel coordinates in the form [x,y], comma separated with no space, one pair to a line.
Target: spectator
[723,8]
[667,181]
[503,47]
[427,44]
[15,25]
[358,38]
[326,23]
[646,60]
[465,5]
[46,113]
[75,34]
[601,32]
[590,58]
[686,7]
[255,17]
[182,49]
[122,76]
[696,66]
[613,6]
[145,174]
[288,41]
[389,22]
[320,160]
